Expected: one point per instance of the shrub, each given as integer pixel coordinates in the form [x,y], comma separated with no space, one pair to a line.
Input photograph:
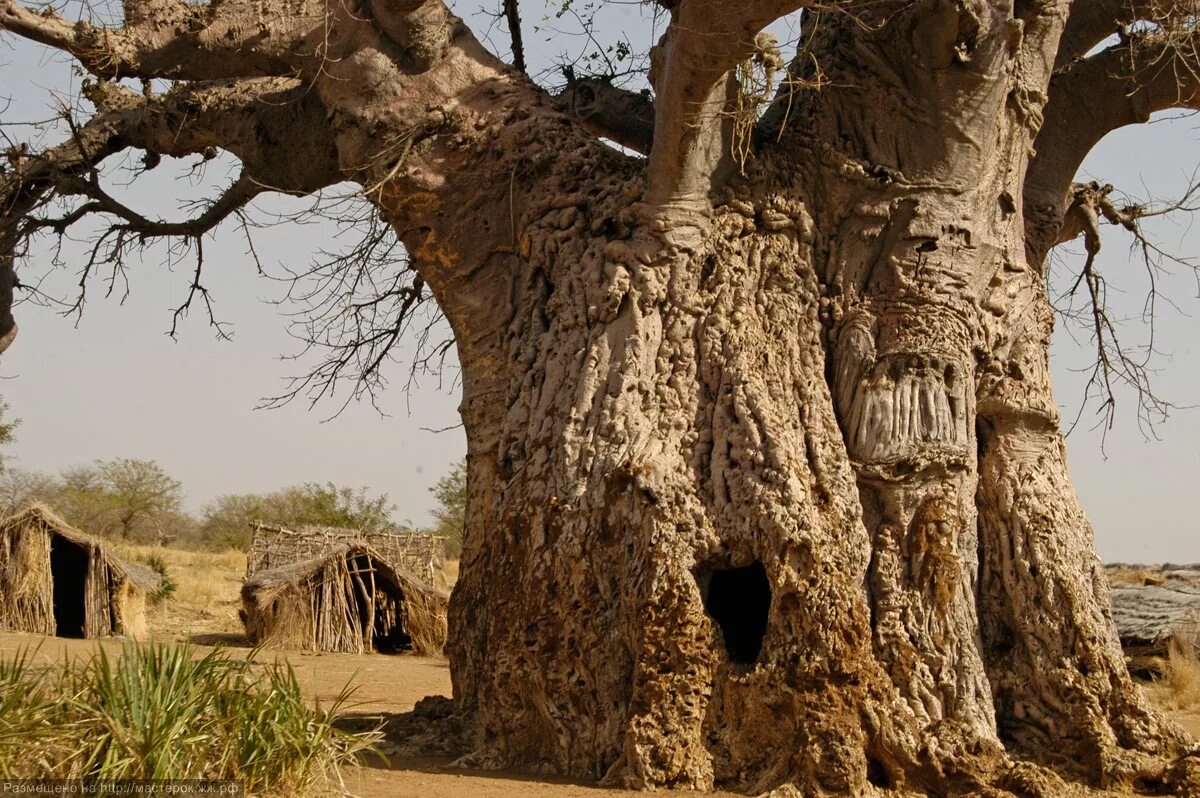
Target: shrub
[162,712]
[166,584]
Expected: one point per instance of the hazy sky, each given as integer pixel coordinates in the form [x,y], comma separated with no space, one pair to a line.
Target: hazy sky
[117,386]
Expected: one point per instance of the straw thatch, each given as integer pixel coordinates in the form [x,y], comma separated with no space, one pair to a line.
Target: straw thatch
[57,580]
[348,599]
[274,546]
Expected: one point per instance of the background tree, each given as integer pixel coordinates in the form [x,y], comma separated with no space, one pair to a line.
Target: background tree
[226,520]
[8,429]
[132,499]
[139,491]
[766,483]
[450,514]
[81,497]
[20,488]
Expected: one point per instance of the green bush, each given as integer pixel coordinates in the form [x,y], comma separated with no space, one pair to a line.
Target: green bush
[166,585]
[163,712]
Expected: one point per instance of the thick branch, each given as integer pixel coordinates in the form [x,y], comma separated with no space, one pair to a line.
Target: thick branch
[695,92]
[237,196]
[1092,21]
[1120,86]
[422,28]
[623,116]
[242,39]
[272,125]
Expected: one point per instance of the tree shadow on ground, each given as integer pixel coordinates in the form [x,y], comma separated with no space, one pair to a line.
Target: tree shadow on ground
[224,639]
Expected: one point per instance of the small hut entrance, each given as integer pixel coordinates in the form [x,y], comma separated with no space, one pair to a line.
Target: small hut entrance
[69,570]
[380,606]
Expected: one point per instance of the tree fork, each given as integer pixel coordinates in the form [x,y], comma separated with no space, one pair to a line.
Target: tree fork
[765,482]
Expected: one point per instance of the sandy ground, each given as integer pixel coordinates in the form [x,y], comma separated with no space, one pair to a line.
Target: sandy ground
[384,684]
[1191,722]
[204,612]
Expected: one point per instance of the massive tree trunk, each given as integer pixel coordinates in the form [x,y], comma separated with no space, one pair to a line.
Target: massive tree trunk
[736,522]
[766,488]
[778,495]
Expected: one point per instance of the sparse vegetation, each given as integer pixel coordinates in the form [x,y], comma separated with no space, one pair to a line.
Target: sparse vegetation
[8,428]
[205,600]
[451,511]
[226,520]
[160,711]
[166,585]
[123,497]
[138,502]
[1179,687]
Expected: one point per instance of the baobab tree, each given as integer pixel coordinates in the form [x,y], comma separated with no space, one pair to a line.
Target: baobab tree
[766,483]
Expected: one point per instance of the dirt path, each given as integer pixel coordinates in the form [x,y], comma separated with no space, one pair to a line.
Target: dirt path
[204,611]
[1191,722]
[384,684]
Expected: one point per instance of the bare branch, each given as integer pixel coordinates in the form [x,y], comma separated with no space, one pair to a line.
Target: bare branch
[513,14]
[1123,85]
[1115,363]
[352,309]
[254,116]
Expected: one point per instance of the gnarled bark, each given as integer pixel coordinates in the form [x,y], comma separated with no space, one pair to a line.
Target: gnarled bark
[766,488]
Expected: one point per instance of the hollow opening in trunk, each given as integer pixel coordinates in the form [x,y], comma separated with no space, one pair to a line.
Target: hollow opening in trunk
[68,571]
[739,600]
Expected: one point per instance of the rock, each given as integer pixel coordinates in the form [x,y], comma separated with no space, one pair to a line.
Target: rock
[1165,607]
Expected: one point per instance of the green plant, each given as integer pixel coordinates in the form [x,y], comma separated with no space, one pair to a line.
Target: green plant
[30,707]
[451,511]
[166,584]
[162,712]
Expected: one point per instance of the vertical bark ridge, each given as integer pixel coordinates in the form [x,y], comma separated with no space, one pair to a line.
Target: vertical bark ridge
[902,373]
[916,148]
[1063,692]
[669,424]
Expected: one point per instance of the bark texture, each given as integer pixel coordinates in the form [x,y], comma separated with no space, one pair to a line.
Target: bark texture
[766,488]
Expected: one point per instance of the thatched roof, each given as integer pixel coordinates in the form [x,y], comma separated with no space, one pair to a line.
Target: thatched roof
[274,546]
[279,603]
[138,576]
[80,589]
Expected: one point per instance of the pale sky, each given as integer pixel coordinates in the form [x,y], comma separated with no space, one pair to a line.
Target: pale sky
[117,386]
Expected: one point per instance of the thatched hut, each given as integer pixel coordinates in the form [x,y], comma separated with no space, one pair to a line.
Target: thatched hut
[421,555]
[57,580]
[348,598]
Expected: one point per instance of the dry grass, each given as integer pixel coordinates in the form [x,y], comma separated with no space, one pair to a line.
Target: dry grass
[1179,688]
[1134,575]
[206,598]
